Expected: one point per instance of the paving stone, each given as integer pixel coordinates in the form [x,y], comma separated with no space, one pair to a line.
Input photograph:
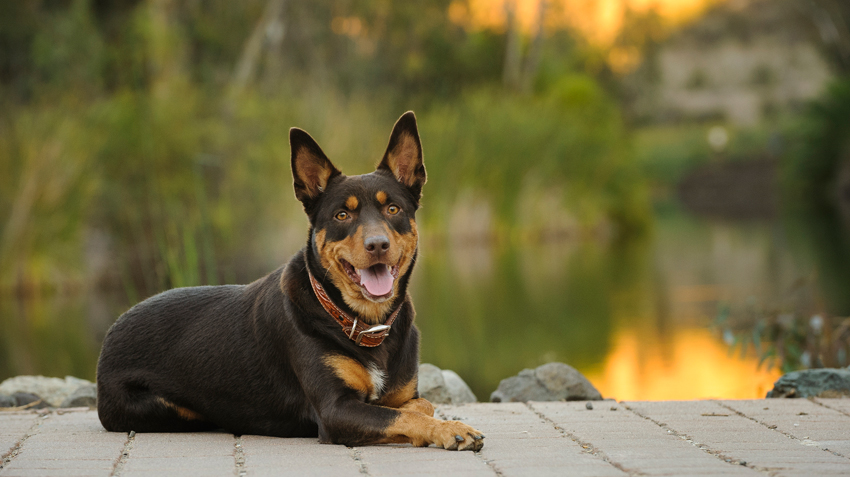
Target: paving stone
[396,460]
[104,465]
[72,442]
[14,427]
[632,442]
[812,424]
[512,452]
[69,472]
[842,405]
[547,440]
[210,465]
[209,453]
[296,457]
[726,433]
[183,444]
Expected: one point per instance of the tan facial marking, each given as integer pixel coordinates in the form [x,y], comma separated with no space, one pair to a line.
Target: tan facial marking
[182,412]
[407,244]
[351,203]
[351,372]
[351,250]
[382,197]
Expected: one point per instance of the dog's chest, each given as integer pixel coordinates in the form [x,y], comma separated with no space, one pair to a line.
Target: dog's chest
[378,378]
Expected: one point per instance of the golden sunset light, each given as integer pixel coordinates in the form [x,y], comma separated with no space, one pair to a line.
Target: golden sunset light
[692,364]
[599,21]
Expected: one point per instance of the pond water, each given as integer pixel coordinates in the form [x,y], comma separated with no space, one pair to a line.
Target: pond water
[636,319]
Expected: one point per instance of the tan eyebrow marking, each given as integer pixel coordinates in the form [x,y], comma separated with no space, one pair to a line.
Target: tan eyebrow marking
[382,197]
[352,203]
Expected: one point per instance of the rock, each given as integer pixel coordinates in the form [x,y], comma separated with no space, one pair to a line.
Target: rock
[443,386]
[7,401]
[24,399]
[549,382]
[53,390]
[458,389]
[826,383]
[85,395]
[432,384]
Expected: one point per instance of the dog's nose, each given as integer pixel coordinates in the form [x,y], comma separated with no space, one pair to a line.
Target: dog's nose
[377,244]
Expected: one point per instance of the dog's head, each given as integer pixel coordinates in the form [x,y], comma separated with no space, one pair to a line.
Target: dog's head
[362,228]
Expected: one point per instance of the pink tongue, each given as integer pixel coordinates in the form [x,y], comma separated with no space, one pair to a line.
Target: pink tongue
[377,279]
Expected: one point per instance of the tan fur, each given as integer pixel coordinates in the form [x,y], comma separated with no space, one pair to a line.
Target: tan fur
[422,430]
[312,172]
[408,243]
[382,197]
[351,203]
[182,412]
[403,159]
[402,248]
[398,397]
[420,405]
[351,372]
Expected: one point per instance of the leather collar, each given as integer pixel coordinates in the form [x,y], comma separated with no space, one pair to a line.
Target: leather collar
[360,332]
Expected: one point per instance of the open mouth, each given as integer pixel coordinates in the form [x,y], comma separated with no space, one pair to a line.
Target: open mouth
[376,282]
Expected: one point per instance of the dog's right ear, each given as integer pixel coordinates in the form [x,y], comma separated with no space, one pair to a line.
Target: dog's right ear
[311,168]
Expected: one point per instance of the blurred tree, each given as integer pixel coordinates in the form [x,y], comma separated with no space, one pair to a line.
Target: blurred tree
[831,19]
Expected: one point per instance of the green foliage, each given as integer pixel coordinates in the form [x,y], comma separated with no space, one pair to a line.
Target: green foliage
[822,143]
[124,119]
[45,187]
[786,336]
[572,138]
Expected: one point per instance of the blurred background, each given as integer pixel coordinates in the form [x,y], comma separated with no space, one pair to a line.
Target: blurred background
[656,192]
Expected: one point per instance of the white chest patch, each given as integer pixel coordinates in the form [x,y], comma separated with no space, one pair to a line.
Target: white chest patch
[378,377]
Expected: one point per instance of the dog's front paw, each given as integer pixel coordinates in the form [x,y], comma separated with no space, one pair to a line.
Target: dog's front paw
[454,435]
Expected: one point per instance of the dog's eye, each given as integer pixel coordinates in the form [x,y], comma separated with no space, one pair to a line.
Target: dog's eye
[341,215]
[393,209]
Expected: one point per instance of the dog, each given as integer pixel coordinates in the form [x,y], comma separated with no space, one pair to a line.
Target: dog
[325,346]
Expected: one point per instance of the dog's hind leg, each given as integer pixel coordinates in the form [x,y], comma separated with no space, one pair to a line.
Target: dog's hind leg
[133,407]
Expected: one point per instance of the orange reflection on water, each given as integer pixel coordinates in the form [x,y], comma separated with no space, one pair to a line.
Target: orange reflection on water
[690,363]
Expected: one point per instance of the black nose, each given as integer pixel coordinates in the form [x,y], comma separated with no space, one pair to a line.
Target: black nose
[377,244]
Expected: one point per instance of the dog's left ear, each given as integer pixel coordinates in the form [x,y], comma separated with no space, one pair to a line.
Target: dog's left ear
[404,155]
[311,168]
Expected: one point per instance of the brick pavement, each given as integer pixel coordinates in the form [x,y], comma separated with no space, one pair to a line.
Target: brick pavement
[759,437]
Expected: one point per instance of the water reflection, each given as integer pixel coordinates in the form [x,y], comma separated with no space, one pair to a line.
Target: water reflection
[635,318]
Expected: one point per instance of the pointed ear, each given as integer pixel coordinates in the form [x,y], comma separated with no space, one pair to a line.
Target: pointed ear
[311,168]
[404,155]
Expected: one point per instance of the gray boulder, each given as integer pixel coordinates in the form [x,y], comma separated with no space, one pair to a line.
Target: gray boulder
[7,401]
[53,390]
[826,383]
[549,382]
[85,395]
[30,400]
[443,386]
[458,389]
